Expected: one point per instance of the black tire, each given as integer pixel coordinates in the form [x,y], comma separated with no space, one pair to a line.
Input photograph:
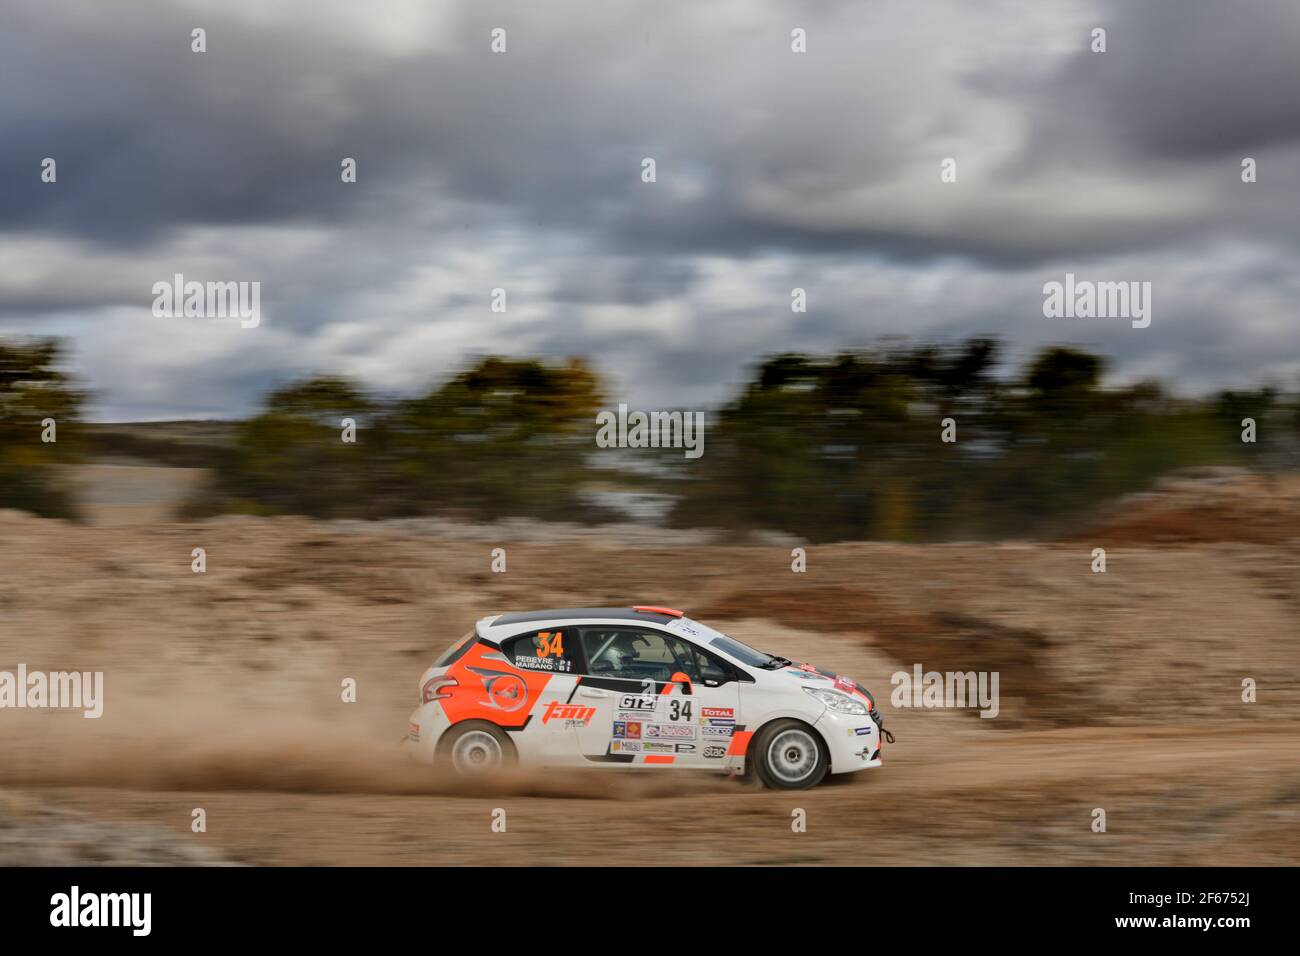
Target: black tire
[788,754]
[474,747]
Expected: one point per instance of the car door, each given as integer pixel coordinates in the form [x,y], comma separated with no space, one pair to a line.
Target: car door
[650,705]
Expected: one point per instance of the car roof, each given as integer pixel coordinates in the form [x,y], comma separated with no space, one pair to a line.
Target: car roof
[583,613]
[501,626]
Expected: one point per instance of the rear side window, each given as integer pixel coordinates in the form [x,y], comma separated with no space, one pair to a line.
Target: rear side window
[554,651]
[454,653]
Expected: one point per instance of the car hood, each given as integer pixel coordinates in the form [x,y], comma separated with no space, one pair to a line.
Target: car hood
[814,676]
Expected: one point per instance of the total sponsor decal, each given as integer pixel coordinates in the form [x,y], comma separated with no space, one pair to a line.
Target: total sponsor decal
[669,730]
[717,717]
[629,729]
[573,715]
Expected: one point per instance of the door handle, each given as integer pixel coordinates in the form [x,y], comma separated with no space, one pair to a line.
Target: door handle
[589,692]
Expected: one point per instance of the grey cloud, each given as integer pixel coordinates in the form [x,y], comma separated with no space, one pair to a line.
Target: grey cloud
[522,171]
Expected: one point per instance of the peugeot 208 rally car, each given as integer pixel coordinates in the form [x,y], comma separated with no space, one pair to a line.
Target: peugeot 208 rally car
[640,686]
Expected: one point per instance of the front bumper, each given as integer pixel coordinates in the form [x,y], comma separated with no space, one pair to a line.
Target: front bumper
[853,741]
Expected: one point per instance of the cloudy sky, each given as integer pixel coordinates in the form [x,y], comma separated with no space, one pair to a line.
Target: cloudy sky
[522,170]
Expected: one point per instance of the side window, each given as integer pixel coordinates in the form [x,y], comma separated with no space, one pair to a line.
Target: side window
[635,654]
[554,651]
[714,671]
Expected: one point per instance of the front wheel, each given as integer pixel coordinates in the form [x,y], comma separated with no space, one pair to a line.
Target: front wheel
[789,755]
[476,747]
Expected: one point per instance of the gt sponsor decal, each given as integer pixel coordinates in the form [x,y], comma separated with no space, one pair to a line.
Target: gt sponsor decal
[669,730]
[573,715]
[630,729]
[636,702]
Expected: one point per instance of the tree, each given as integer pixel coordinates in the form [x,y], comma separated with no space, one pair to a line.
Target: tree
[32,390]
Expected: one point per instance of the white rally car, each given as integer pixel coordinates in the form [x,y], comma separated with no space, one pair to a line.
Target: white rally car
[640,686]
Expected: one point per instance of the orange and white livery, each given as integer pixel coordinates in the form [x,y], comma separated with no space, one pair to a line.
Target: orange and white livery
[636,687]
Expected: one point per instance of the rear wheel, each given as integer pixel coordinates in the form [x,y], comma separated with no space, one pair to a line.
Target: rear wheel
[789,755]
[475,747]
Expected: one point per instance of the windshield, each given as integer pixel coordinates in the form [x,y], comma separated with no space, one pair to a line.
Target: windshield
[703,634]
[744,653]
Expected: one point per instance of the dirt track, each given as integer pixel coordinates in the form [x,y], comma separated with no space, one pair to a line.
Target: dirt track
[1120,691]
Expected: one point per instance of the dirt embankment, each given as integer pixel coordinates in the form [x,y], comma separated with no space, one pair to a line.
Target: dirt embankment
[1120,691]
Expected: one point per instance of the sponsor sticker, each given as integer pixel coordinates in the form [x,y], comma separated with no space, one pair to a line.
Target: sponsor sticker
[625,747]
[669,730]
[717,731]
[573,715]
[713,752]
[718,712]
[630,729]
[862,731]
[638,702]
[556,664]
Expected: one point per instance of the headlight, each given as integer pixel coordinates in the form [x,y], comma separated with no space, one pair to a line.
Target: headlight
[840,703]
